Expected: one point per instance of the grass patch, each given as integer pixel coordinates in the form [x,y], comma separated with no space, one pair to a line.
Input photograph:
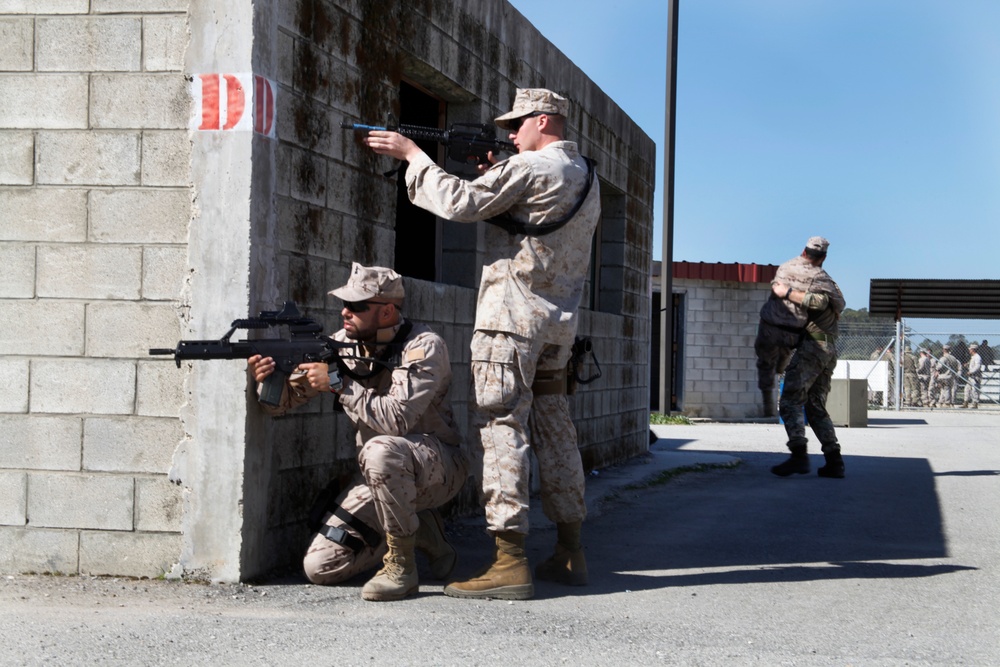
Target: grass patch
[660,418]
[667,475]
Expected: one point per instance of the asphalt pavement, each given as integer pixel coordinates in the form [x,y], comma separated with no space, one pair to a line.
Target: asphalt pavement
[697,556]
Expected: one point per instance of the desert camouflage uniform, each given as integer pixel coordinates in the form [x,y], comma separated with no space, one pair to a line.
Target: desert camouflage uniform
[808,376]
[924,379]
[948,370]
[782,322]
[975,379]
[911,393]
[409,449]
[526,321]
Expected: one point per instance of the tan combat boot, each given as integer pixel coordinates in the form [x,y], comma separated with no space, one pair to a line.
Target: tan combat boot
[568,564]
[398,576]
[432,542]
[507,578]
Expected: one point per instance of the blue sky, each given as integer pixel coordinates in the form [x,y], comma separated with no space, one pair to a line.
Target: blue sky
[875,123]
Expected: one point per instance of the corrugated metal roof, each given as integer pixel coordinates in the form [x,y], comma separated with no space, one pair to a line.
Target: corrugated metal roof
[735,272]
[951,299]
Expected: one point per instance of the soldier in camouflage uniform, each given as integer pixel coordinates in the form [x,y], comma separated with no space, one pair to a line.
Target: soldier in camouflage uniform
[924,364]
[911,392]
[409,449]
[808,376]
[782,323]
[526,321]
[948,369]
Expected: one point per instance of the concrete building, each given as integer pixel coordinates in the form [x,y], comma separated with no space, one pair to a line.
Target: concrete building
[168,166]
[716,311]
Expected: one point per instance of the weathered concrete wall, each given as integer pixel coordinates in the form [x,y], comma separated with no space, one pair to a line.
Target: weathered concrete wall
[128,225]
[720,367]
[95,202]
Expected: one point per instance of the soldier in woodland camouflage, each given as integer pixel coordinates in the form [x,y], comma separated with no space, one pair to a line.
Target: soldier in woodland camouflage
[924,364]
[526,320]
[808,376]
[409,448]
[782,323]
[948,370]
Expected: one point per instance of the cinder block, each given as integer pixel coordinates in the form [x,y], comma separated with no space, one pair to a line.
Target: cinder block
[50,214]
[83,386]
[136,6]
[166,158]
[36,442]
[164,40]
[36,550]
[16,44]
[154,101]
[163,273]
[88,44]
[130,444]
[89,272]
[13,498]
[44,6]
[14,387]
[129,554]
[160,388]
[158,505]
[17,271]
[43,328]
[17,157]
[87,158]
[130,329]
[43,101]
[63,500]
[139,215]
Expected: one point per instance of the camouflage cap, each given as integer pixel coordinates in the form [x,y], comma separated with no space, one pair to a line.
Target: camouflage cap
[946,347]
[369,282]
[817,244]
[973,346]
[531,100]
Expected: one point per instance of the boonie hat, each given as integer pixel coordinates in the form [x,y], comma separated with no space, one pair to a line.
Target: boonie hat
[973,346]
[817,244]
[369,282]
[530,100]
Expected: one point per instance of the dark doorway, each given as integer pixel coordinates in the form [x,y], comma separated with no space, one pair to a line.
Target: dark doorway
[417,231]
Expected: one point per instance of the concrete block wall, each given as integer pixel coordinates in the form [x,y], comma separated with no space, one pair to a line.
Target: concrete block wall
[720,367]
[95,200]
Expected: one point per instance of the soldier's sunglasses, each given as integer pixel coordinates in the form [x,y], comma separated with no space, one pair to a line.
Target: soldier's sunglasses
[364,306]
[515,125]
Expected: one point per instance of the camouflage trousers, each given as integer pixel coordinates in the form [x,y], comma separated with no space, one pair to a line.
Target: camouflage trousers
[513,422]
[807,384]
[402,475]
[774,348]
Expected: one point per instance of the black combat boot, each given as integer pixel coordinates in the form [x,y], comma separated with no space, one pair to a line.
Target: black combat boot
[834,467]
[797,463]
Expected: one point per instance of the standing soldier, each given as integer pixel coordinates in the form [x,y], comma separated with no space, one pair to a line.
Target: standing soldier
[975,377]
[924,377]
[808,377]
[548,199]
[948,369]
[409,449]
[782,323]
[911,392]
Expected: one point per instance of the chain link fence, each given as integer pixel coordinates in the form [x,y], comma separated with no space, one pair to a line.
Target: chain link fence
[921,373]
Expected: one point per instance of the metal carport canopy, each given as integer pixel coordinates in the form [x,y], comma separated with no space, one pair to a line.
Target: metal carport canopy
[949,299]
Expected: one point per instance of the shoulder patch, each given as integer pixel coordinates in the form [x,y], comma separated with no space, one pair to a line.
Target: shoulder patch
[416,354]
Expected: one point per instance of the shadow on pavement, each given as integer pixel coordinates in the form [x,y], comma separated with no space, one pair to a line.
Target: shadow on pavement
[753,527]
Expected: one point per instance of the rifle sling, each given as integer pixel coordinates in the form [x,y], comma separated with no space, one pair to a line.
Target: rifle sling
[387,358]
[514,227]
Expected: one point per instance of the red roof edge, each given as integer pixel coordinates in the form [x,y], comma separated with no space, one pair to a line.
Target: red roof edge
[736,272]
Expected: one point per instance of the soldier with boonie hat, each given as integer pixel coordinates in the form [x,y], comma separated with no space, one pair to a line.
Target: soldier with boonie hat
[402,377]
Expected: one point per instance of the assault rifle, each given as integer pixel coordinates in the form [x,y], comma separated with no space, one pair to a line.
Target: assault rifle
[466,142]
[306,343]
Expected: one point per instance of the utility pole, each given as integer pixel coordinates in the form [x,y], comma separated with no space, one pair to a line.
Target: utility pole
[666,341]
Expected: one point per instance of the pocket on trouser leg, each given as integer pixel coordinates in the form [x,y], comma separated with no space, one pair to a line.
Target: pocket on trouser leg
[496,379]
